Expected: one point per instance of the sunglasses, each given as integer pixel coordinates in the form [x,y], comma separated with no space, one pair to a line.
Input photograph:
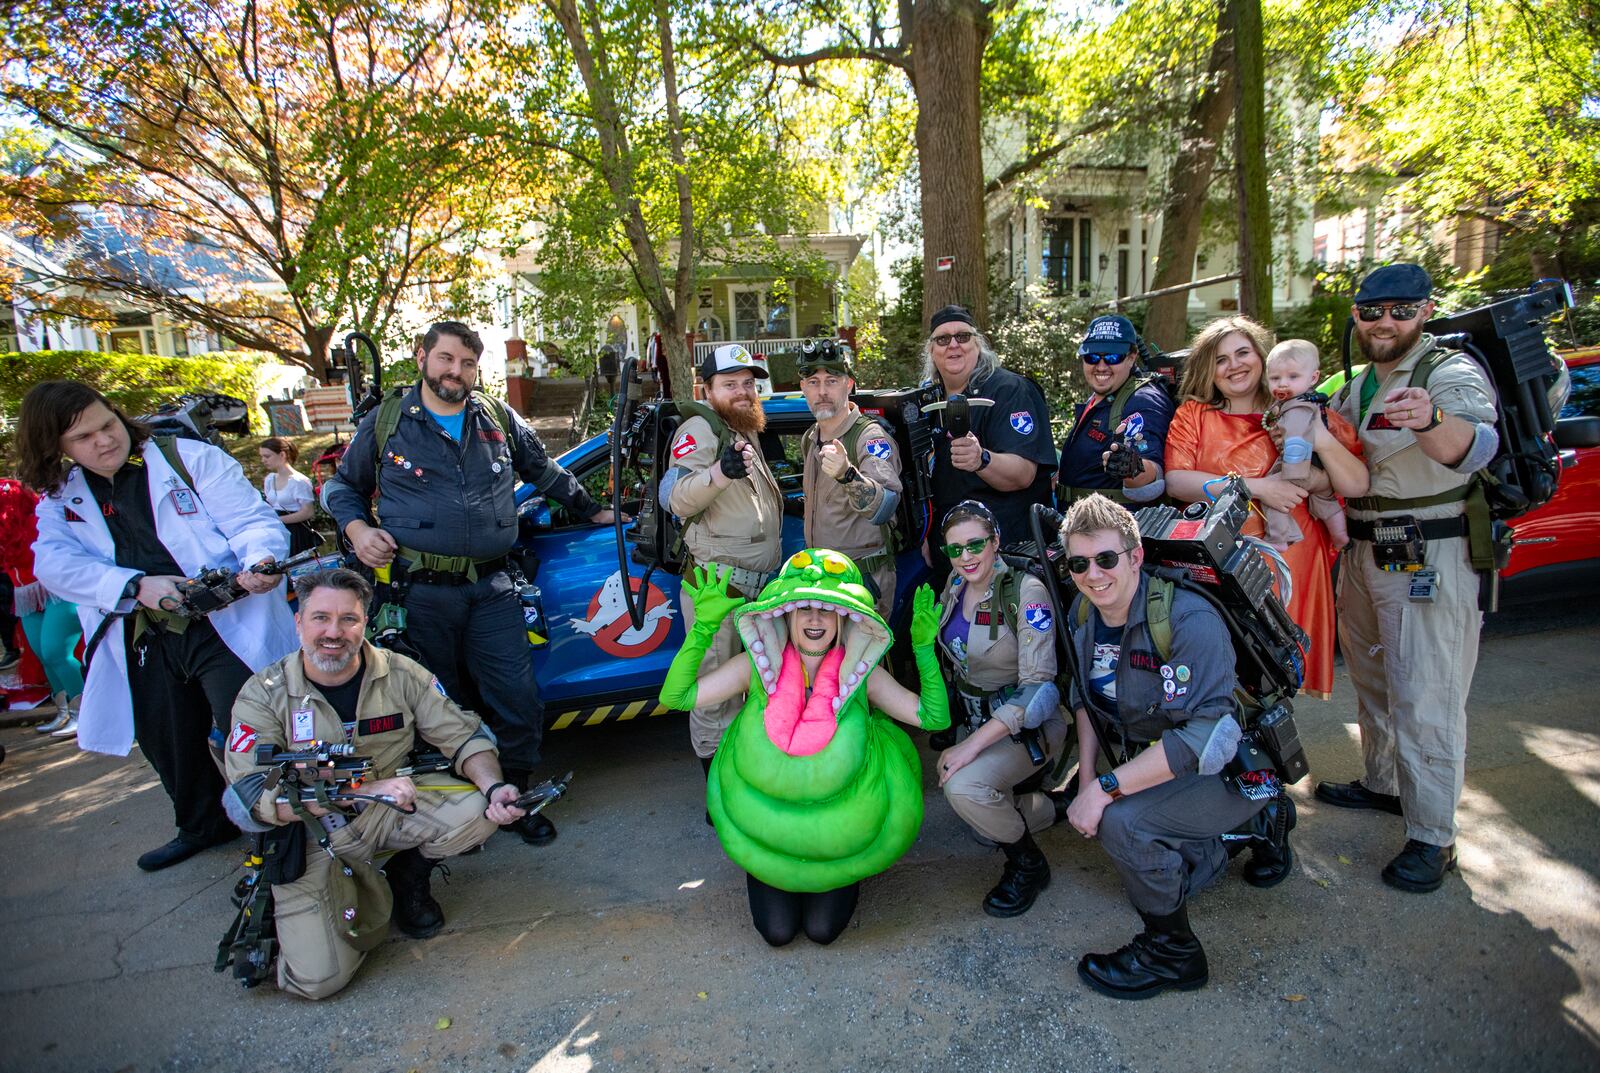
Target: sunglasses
[1105,560]
[1109,359]
[1401,311]
[963,338]
[971,547]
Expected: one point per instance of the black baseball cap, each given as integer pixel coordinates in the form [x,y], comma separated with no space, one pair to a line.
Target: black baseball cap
[948,314]
[1111,334]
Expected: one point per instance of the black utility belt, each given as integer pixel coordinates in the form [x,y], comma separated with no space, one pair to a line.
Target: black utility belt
[455,577]
[1400,542]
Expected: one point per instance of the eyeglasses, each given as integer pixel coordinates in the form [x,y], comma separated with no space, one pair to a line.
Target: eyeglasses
[1105,560]
[1109,359]
[1401,311]
[958,338]
[971,547]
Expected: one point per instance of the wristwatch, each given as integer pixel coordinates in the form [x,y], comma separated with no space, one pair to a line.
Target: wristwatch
[850,476]
[983,459]
[1438,419]
[1108,783]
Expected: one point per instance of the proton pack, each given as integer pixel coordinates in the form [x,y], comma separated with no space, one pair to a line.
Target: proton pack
[1203,551]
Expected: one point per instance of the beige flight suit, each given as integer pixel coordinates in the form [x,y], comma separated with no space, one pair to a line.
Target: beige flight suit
[982,793]
[839,516]
[1412,662]
[313,960]
[742,526]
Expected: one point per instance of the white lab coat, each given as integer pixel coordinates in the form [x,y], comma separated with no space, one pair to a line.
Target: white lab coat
[231,528]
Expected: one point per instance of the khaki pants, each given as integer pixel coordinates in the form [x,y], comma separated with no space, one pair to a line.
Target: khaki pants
[707,723]
[313,961]
[1411,664]
[884,578]
[981,793]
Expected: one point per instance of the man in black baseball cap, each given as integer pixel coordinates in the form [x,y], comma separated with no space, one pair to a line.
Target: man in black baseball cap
[1005,457]
[1122,406]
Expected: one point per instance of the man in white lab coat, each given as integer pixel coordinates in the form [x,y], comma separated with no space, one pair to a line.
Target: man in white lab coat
[122,519]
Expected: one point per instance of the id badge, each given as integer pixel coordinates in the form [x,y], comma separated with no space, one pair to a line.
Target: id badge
[1424,587]
[183,501]
[304,725]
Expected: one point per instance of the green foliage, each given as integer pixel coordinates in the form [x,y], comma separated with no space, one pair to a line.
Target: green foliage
[900,331]
[138,383]
[1041,341]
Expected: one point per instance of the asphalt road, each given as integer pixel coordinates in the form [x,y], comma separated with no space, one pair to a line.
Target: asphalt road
[627,945]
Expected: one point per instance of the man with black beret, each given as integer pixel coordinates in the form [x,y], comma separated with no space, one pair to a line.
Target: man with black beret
[1006,458]
[1408,589]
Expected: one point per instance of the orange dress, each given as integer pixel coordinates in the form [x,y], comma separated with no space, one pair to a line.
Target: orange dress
[1202,437]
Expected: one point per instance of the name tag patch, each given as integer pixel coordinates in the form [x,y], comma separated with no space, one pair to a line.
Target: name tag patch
[303,723]
[380,724]
[1144,661]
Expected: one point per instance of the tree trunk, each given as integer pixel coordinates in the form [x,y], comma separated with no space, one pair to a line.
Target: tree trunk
[1250,163]
[946,39]
[1167,322]
[316,356]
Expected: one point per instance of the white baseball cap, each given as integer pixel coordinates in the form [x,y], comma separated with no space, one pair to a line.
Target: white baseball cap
[731,358]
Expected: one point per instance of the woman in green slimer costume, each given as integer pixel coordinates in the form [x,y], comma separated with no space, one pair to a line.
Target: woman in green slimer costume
[812,789]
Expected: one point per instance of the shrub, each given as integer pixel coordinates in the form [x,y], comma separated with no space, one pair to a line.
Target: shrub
[136,382]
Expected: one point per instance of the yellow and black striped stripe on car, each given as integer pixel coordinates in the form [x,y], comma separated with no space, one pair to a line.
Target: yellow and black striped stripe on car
[608,713]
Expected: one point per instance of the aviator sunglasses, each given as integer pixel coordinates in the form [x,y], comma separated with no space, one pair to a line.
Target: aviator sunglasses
[1105,560]
[971,547]
[1400,311]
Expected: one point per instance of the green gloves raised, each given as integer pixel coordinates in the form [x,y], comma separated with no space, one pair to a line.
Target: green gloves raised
[933,703]
[708,589]
[709,592]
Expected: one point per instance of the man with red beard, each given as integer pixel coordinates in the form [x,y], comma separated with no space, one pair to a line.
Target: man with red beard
[1408,591]
[728,502]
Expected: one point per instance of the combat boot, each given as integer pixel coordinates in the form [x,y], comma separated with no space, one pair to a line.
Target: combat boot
[1270,856]
[1026,874]
[536,830]
[1165,956]
[415,911]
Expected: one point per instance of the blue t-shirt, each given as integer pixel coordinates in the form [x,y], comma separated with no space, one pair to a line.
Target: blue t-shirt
[451,423]
[1103,667]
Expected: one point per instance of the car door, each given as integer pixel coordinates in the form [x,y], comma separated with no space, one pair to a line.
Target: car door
[1566,529]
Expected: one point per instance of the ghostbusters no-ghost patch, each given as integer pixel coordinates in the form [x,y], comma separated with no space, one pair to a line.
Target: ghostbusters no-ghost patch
[242,739]
[684,447]
[879,448]
[1022,421]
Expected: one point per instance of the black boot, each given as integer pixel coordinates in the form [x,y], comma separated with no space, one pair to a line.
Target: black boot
[415,911]
[1270,855]
[705,765]
[1026,874]
[536,830]
[1165,956]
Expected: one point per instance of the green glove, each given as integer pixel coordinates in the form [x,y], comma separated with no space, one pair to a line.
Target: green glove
[924,618]
[933,705]
[708,589]
[712,604]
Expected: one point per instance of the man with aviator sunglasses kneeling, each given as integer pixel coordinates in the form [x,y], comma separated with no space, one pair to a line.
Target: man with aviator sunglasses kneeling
[1166,722]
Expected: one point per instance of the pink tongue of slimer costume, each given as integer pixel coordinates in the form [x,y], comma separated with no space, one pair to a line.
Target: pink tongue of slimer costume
[797,726]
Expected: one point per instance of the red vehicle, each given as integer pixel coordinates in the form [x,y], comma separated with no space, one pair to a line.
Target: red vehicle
[1557,548]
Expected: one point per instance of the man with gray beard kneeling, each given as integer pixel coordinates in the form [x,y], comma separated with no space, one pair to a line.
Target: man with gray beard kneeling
[339,689]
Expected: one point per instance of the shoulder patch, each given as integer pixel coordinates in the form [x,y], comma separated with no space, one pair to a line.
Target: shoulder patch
[439,686]
[242,739]
[1038,616]
[878,448]
[684,447]
[1022,421]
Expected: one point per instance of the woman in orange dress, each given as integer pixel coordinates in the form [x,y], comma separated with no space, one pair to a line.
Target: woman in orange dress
[1217,431]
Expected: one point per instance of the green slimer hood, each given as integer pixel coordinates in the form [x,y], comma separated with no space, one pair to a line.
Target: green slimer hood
[813,794]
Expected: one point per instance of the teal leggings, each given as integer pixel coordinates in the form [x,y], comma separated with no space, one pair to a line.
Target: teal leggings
[53,635]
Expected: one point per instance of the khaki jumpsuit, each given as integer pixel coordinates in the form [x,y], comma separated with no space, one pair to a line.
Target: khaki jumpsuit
[849,517]
[403,701]
[742,526]
[1412,662]
[1017,656]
